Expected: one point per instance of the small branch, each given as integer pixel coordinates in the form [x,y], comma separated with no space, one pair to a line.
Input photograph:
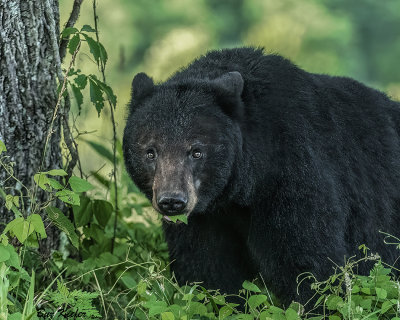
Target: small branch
[70,23]
[102,68]
[55,113]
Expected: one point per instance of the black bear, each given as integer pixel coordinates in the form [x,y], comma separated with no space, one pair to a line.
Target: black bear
[277,169]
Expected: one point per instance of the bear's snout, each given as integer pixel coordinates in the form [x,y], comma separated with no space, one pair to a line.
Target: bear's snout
[172,203]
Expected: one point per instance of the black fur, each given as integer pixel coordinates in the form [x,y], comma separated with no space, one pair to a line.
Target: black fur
[299,167]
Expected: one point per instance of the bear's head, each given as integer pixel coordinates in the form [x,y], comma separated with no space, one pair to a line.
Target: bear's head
[182,141]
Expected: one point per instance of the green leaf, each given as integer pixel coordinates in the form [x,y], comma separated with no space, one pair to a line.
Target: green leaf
[291,314]
[101,150]
[79,185]
[87,28]
[386,306]
[42,181]
[78,96]
[81,81]
[224,312]
[9,201]
[103,54]
[381,293]
[68,196]
[4,254]
[93,46]
[56,172]
[37,223]
[55,184]
[333,301]
[128,281]
[2,147]
[167,316]
[180,217]
[256,300]
[68,31]
[83,214]
[109,92]
[13,258]
[22,230]
[250,286]
[63,223]
[96,95]
[102,210]
[73,43]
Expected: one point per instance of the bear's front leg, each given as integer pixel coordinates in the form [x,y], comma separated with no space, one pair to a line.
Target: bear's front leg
[210,250]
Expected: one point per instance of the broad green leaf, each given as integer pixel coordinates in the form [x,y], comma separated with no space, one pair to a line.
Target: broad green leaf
[2,147]
[224,312]
[84,212]
[102,210]
[42,181]
[37,223]
[333,301]
[156,307]
[386,306]
[381,293]
[256,300]
[13,258]
[56,172]
[4,254]
[250,286]
[141,287]
[197,308]
[22,230]
[73,43]
[78,96]
[128,281]
[167,316]
[68,196]
[81,81]
[96,95]
[93,46]
[87,28]
[79,185]
[68,31]
[63,223]
[291,314]
[55,184]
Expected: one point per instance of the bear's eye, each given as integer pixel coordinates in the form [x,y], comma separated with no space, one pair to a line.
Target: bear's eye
[150,154]
[196,154]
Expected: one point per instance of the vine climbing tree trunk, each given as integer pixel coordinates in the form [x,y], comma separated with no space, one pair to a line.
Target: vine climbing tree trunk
[29,67]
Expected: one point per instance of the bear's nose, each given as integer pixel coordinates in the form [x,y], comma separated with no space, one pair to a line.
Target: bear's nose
[172,203]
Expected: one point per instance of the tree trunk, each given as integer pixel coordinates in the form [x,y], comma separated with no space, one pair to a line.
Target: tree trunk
[29,66]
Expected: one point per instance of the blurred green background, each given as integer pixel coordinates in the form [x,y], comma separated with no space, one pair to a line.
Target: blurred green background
[357,38]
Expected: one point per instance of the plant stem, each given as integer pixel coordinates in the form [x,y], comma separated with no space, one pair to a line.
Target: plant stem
[102,69]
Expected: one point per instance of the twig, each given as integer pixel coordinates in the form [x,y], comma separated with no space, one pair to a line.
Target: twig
[55,113]
[70,23]
[102,68]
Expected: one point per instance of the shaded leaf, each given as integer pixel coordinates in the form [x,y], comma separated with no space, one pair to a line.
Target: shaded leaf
[79,185]
[87,28]
[250,286]
[68,31]
[63,223]
[73,43]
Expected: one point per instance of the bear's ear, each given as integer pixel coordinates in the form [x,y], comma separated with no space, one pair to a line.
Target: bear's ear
[142,86]
[229,88]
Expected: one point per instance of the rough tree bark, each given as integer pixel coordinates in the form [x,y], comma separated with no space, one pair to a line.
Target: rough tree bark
[29,67]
